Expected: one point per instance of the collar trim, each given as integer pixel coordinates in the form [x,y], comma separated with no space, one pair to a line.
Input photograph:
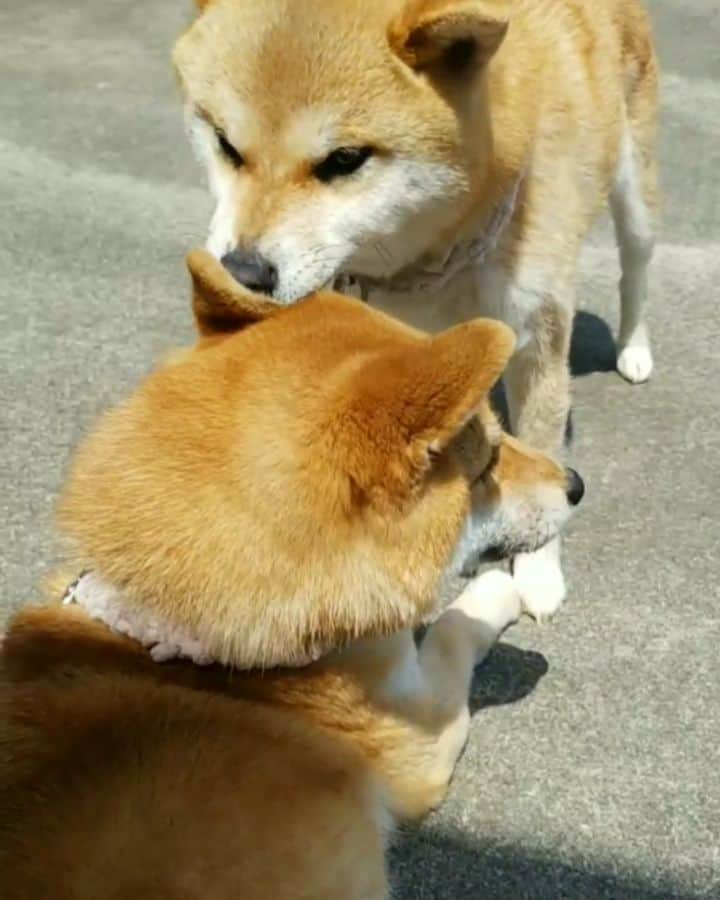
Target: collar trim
[432,274]
[104,603]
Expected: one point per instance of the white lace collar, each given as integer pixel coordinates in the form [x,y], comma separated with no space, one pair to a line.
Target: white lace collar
[431,274]
[164,640]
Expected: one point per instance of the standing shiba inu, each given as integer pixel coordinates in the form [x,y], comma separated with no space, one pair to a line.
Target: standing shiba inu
[290,492]
[449,155]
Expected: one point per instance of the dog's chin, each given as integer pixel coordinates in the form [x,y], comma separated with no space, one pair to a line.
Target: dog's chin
[500,552]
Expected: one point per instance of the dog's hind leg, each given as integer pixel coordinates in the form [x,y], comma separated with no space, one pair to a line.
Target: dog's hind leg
[537,384]
[633,201]
[632,215]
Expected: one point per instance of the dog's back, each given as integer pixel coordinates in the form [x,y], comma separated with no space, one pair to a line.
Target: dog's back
[120,778]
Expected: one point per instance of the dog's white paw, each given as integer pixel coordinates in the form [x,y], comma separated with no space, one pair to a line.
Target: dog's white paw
[492,598]
[635,363]
[540,581]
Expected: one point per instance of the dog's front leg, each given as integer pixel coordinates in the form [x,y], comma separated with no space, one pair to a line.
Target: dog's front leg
[436,707]
[537,383]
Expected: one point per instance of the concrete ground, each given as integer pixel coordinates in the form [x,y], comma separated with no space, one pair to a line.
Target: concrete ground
[593,767]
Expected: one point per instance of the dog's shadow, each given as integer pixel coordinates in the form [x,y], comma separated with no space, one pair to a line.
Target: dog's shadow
[592,347]
[440,863]
[507,675]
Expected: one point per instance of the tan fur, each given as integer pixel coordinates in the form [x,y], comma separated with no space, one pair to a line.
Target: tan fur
[298,479]
[555,97]
[466,103]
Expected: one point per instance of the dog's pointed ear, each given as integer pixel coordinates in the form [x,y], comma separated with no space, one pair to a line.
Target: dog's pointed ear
[449,34]
[220,304]
[408,404]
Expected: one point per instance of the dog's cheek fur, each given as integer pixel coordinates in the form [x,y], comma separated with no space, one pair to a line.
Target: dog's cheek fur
[374,226]
[517,506]
[530,488]
[222,182]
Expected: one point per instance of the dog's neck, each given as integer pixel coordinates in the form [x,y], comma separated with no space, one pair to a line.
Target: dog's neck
[434,271]
[163,639]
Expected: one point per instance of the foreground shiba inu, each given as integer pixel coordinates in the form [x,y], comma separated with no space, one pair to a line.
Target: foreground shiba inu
[284,498]
[447,155]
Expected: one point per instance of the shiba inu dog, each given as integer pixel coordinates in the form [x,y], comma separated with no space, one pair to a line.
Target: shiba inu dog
[448,156]
[284,499]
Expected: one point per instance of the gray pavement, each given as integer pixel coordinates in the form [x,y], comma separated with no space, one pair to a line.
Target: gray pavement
[593,768]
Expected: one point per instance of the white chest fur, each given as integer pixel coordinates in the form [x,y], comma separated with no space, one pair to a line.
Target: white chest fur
[485,290]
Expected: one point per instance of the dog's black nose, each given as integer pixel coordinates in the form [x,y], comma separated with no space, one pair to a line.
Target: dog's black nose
[575,487]
[251,269]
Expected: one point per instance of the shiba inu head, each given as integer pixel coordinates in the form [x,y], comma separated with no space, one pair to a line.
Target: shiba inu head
[306,475]
[338,136]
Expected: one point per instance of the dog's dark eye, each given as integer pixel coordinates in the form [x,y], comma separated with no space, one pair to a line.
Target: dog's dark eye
[228,151]
[343,161]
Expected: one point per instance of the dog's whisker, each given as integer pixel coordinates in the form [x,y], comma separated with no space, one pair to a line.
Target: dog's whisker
[384,254]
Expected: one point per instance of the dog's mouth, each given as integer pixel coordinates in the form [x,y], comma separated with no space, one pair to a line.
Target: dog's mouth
[507,550]
[495,554]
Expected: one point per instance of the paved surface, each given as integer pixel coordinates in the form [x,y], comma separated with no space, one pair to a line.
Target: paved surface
[593,768]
